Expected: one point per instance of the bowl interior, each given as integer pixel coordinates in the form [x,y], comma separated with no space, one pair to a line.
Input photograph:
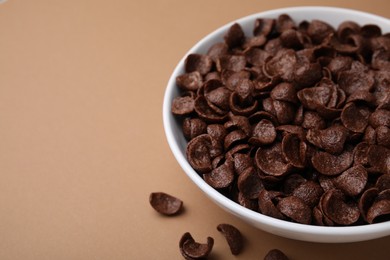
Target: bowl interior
[177,142]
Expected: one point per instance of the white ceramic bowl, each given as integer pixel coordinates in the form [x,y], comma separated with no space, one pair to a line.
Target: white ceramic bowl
[177,142]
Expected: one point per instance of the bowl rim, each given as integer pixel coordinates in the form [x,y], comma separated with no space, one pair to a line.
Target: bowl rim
[324,233]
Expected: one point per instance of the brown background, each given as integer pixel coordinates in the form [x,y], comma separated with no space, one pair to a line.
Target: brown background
[81,137]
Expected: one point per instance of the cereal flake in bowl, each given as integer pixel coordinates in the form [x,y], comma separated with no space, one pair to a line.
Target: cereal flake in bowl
[282,118]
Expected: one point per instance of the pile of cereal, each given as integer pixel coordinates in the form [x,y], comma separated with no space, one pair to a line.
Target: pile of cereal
[294,121]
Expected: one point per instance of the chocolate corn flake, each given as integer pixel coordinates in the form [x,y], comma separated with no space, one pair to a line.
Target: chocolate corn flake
[295,209]
[284,92]
[379,210]
[355,118]
[263,26]
[271,161]
[331,139]
[369,135]
[234,137]
[284,111]
[379,158]
[329,164]
[336,207]
[267,204]
[198,62]
[309,192]
[293,39]
[355,80]
[183,105]
[190,81]
[366,201]
[282,64]
[380,117]
[362,96]
[249,183]
[217,50]
[312,120]
[234,78]
[165,204]
[292,182]
[275,254]
[383,135]
[190,249]
[256,41]
[231,62]
[235,36]
[347,28]
[383,182]
[352,181]
[263,133]
[242,162]
[192,127]
[233,237]
[374,205]
[220,177]
[360,153]
[198,153]
[217,96]
[339,64]
[294,150]
[207,112]
[293,121]
[247,203]
[319,31]
[240,123]
[371,31]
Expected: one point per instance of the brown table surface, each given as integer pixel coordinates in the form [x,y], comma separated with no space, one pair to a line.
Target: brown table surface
[82,143]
